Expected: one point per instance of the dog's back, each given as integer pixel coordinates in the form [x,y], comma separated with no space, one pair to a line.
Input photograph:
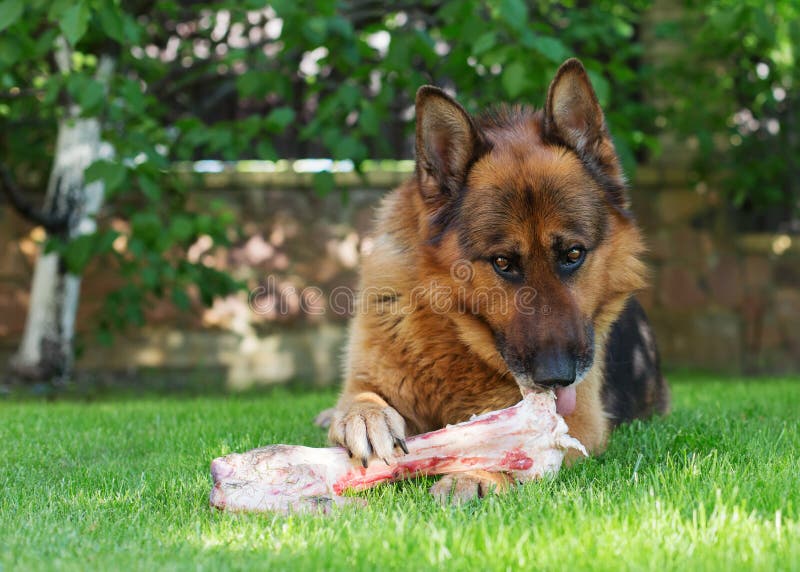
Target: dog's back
[634,386]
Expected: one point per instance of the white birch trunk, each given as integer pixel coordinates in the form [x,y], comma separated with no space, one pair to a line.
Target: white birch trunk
[46,350]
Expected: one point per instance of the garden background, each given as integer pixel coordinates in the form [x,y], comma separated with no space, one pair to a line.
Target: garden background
[251,144]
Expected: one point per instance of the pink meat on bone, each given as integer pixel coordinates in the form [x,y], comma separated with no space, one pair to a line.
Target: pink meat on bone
[527,441]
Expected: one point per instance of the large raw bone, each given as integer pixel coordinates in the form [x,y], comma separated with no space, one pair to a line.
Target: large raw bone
[528,440]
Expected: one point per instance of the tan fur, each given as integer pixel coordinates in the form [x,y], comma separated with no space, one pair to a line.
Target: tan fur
[421,342]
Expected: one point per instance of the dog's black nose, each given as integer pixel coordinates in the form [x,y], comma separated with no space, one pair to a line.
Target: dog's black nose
[554,368]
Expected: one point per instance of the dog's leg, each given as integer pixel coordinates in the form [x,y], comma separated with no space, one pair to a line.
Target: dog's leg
[368,427]
[463,487]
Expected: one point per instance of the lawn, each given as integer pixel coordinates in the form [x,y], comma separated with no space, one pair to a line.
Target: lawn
[123,484]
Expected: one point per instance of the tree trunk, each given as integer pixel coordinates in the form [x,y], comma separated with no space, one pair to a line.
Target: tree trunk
[46,351]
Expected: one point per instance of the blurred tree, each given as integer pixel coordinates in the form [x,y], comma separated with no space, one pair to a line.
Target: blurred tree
[46,348]
[170,80]
[732,89]
[75,98]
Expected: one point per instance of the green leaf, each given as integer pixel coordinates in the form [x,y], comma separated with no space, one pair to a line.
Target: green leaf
[44,43]
[315,30]
[131,92]
[147,227]
[10,11]
[514,79]
[203,224]
[515,13]
[52,244]
[111,22]
[499,55]
[73,22]
[252,84]
[149,187]
[78,252]
[220,138]
[9,52]
[323,183]
[484,43]
[181,228]
[279,118]
[57,8]
[266,151]
[626,156]
[348,148]
[91,96]
[104,336]
[181,299]
[341,26]
[149,277]
[52,89]
[105,241]
[111,173]
[601,87]
[368,119]
[349,95]
[133,30]
[551,48]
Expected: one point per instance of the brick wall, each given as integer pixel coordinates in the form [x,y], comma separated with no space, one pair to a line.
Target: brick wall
[719,301]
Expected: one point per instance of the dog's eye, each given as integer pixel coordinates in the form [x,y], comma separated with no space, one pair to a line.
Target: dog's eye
[505,267]
[572,257]
[502,263]
[574,254]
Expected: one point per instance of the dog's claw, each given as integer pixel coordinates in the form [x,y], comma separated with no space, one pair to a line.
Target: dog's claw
[369,431]
[402,444]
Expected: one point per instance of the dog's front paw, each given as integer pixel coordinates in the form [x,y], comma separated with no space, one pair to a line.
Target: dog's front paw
[367,430]
[463,487]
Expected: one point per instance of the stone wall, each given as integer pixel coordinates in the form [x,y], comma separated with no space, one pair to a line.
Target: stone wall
[719,301]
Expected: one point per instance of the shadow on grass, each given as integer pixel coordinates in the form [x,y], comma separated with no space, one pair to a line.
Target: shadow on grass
[208,382]
[147,383]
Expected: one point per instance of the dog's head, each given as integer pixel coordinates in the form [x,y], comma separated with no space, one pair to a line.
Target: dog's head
[527,212]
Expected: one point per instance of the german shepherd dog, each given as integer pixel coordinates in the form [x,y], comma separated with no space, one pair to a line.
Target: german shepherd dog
[506,264]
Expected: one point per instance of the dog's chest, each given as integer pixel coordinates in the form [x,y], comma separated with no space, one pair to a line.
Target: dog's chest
[442,381]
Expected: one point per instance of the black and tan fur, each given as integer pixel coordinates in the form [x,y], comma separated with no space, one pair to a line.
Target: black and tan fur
[537,189]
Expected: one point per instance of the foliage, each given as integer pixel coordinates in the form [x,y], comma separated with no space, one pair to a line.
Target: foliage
[234,80]
[711,487]
[152,220]
[733,88]
[241,79]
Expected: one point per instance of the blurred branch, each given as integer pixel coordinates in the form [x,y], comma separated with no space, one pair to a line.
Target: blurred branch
[20,93]
[363,13]
[223,90]
[53,224]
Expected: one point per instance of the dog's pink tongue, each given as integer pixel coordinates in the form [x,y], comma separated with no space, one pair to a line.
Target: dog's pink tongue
[565,400]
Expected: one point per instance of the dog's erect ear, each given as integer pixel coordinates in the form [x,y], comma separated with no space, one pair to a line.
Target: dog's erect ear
[573,117]
[448,142]
[572,112]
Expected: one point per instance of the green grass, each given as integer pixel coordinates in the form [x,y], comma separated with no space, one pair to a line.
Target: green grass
[123,484]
